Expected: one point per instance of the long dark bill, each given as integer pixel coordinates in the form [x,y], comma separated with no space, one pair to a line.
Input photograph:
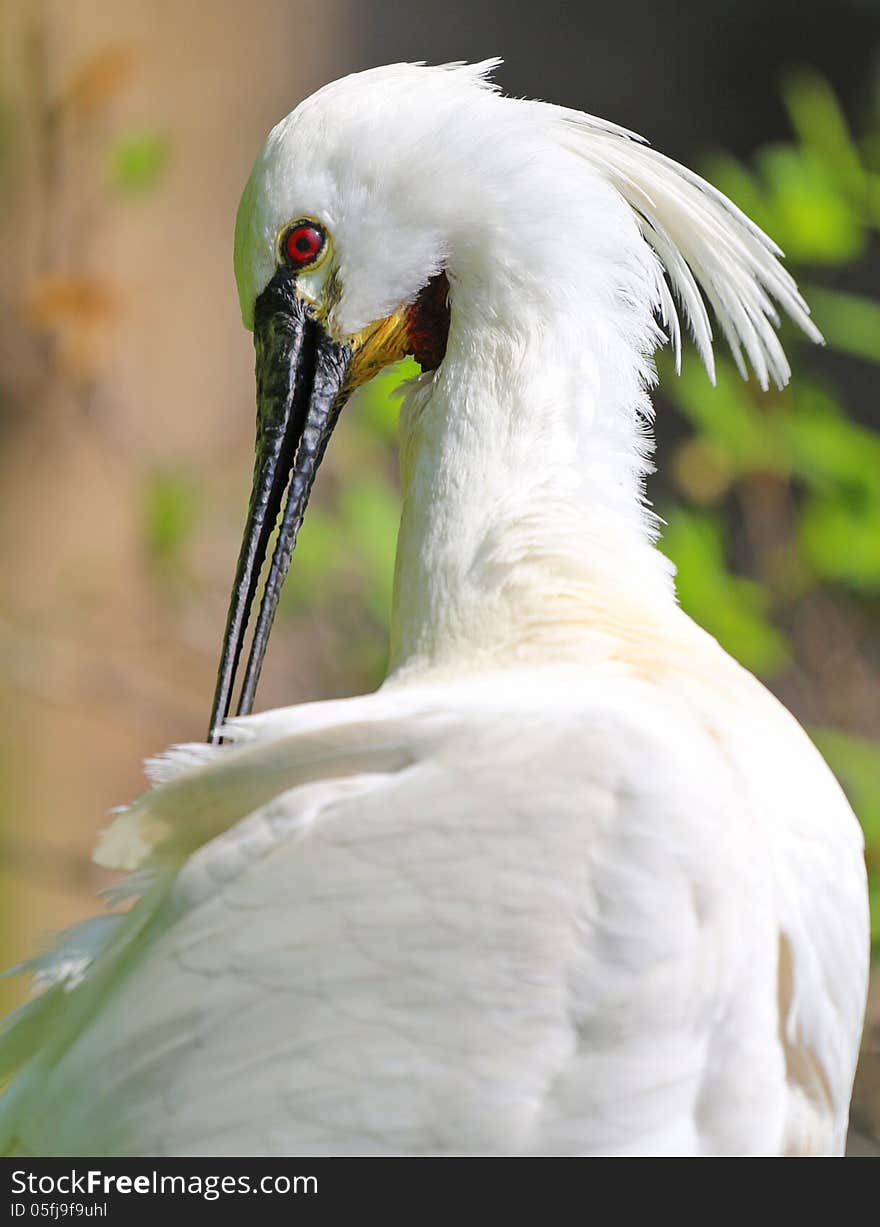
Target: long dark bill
[300,374]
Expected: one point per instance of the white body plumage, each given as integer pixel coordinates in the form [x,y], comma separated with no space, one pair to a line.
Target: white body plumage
[571,881]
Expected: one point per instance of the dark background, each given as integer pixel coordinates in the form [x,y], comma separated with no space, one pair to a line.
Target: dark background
[687,76]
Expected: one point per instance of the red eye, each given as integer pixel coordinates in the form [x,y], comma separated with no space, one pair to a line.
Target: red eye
[303,243]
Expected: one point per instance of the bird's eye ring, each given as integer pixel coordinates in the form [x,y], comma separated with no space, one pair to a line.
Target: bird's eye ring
[302,244]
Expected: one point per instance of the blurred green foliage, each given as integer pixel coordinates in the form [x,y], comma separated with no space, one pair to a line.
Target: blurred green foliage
[855,760]
[777,501]
[137,161]
[171,505]
[734,608]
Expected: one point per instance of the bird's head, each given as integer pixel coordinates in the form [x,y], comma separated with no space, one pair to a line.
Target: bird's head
[388,199]
[343,245]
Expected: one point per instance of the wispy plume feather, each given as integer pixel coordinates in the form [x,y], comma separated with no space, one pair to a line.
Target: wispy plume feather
[708,249]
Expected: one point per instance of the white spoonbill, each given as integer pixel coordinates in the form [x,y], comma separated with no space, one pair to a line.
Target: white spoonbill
[571,881]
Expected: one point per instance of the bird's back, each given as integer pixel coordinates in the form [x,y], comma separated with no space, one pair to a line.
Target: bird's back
[529,913]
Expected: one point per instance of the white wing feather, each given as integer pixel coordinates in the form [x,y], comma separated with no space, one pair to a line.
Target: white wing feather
[569,970]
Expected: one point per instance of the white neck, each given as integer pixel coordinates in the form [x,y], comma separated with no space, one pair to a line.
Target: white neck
[523,528]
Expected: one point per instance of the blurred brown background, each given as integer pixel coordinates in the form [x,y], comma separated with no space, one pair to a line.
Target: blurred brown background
[127,130]
[127,397]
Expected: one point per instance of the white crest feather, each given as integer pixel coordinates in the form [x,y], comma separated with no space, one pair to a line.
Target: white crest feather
[707,247]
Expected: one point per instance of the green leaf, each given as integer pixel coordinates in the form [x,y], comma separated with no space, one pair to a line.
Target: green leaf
[732,609]
[137,162]
[370,513]
[827,448]
[841,540]
[812,219]
[347,553]
[856,763]
[377,405]
[728,417]
[849,322]
[320,547]
[872,197]
[818,119]
[170,514]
